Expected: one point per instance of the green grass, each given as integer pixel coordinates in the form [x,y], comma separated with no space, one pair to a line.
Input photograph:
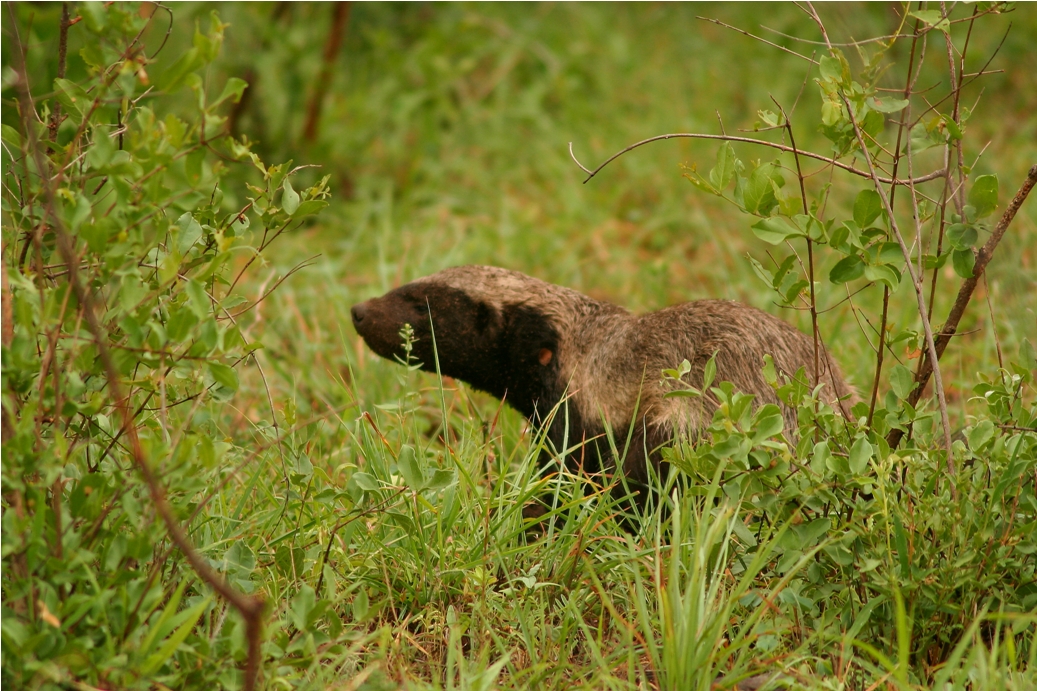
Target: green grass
[446,132]
[451,132]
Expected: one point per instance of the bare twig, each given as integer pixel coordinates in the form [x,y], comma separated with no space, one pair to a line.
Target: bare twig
[749,140]
[762,40]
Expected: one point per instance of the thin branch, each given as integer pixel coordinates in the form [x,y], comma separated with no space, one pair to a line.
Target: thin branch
[810,244]
[55,118]
[749,140]
[758,38]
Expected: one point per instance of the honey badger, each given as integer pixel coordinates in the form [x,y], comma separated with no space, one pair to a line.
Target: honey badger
[533,344]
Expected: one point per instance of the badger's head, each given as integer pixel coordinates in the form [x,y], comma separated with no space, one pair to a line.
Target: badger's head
[498,330]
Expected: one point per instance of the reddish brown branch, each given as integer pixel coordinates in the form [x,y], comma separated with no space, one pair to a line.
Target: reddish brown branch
[338,32]
[55,118]
[950,327]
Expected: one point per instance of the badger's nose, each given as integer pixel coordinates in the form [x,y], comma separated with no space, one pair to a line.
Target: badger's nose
[358,313]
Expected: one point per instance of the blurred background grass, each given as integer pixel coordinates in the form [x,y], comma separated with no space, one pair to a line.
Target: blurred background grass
[445,129]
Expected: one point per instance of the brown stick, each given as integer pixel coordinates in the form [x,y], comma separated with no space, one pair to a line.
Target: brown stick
[331,48]
[749,140]
[950,327]
[55,118]
[251,608]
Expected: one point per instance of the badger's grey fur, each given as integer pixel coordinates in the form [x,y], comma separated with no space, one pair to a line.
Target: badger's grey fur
[532,344]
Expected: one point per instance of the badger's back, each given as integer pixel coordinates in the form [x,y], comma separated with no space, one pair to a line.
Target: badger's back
[614,364]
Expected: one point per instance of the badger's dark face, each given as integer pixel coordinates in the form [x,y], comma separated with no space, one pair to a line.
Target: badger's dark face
[505,348]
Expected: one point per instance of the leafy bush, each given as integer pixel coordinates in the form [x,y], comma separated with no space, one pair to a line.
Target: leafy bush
[123,331]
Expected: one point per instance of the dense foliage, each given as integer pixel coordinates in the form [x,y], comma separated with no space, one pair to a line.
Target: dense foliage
[191,427]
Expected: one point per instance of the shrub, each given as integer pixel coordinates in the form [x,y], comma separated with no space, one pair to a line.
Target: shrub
[123,245]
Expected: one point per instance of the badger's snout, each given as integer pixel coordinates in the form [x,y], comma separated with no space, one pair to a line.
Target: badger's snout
[359,312]
[379,320]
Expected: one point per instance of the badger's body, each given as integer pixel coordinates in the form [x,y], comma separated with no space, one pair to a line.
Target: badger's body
[533,344]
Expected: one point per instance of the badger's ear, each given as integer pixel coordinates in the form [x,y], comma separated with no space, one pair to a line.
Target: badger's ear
[531,338]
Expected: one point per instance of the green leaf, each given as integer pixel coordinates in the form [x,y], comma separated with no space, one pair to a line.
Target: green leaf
[361,605]
[72,96]
[831,69]
[951,128]
[689,392]
[409,468]
[983,195]
[699,182]
[441,479]
[963,262]
[758,189]
[831,112]
[962,236]
[198,299]
[883,273]
[724,170]
[866,208]
[709,372]
[10,136]
[776,229]
[366,481]
[762,272]
[308,208]
[860,454]
[769,422]
[290,198]
[175,75]
[190,619]
[190,232]
[224,375]
[887,105]
[924,137]
[819,458]
[81,213]
[933,18]
[102,150]
[847,269]
[900,539]
[181,320]
[159,626]
[233,90]
[873,123]
[810,532]
[887,253]
[902,381]
[94,15]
